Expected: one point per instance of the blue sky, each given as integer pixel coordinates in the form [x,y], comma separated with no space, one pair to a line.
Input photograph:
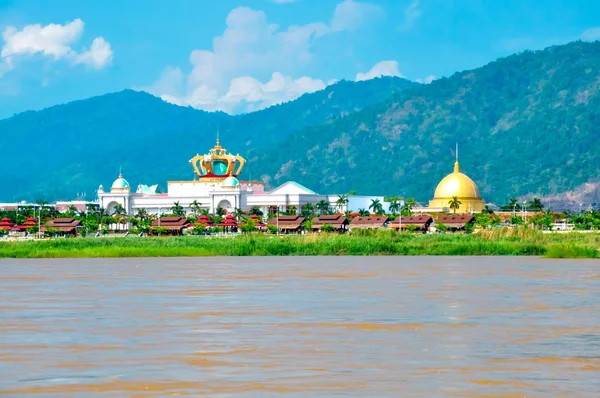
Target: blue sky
[239,56]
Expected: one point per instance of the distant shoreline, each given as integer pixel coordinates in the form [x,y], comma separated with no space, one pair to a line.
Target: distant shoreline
[530,243]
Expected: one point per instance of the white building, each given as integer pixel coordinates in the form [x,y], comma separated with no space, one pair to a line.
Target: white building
[217,186]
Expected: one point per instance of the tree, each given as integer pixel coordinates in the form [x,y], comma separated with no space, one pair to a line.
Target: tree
[72,210]
[142,215]
[441,227]
[376,206]
[454,203]
[195,206]
[293,210]
[363,213]
[255,211]
[220,211]
[307,209]
[327,228]
[395,206]
[487,210]
[536,205]
[237,213]
[342,202]
[178,210]
[512,205]
[323,206]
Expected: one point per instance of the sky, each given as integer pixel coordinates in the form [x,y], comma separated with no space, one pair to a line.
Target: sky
[239,56]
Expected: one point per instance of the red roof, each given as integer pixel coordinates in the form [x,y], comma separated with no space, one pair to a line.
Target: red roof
[6,224]
[228,221]
[203,219]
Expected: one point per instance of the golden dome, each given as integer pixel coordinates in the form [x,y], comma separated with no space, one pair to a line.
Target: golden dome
[457,184]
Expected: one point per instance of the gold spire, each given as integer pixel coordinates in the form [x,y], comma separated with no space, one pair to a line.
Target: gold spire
[456,165]
[120,171]
[218,144]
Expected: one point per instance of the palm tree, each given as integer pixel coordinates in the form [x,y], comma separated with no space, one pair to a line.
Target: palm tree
[454,203]
[293,210]
[323,206]
[376,206]
[536,205]
[237,213]
[342,202]
[142,215]
[220,211]
[195,206]
[487,210]
[363,213]
[395,206]
[178,210]
[513,205]
[255,210]
[307,209]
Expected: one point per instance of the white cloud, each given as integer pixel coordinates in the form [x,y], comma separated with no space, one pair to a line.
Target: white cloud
[383,68]
[98,56]
[54,41]
[246,94]
[426,80]
[350,15]
[591,34]
[411,13]
[229,76]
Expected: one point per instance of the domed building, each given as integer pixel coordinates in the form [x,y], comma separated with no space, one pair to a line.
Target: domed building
[460,185]
[120,185]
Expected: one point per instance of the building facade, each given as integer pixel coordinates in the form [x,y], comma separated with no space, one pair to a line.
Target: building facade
[215,185]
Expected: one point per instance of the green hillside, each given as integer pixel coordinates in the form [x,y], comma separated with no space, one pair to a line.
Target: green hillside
[71,148]
[528,123]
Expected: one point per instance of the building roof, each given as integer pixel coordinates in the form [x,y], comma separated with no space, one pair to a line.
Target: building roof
[62,224]
[457,184]
[120,184]
[369,222]
[6,223]
[421,221]
[299,187]
[455,221]
[287,222]
[228,221]
[171,223]
[230,182]
[334,220]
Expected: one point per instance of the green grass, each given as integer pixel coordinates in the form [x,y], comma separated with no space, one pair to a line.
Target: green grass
[487,243]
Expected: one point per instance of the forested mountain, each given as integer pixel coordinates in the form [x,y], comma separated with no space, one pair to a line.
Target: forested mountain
[67,149]
[528,123]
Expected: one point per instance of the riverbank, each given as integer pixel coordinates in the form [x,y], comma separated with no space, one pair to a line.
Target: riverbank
[485,243]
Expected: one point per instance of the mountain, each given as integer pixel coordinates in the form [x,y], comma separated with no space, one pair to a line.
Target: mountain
[526,124]
[72,148]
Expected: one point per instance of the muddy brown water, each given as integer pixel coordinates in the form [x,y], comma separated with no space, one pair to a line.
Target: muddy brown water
[300,326]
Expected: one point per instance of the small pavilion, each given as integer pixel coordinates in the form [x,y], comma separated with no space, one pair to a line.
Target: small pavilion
[6,224]
[229,223]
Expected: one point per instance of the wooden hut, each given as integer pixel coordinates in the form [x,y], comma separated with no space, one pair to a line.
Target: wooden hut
[456,223]
[174,225]
[65,226]
[420,223]
[337,221]
[375,222]
[288,224]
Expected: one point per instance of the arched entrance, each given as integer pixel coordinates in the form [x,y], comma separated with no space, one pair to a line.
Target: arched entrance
[225,204]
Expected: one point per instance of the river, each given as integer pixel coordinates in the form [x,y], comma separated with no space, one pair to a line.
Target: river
[300,326]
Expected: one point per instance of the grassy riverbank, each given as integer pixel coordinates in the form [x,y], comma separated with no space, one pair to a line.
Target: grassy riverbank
[492,242]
